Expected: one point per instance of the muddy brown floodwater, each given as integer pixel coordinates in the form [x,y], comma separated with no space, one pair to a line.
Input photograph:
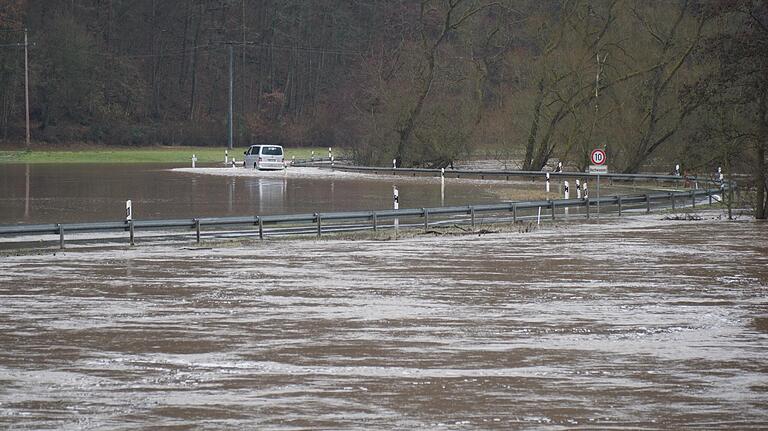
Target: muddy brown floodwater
[633,323]
[71,193]
[75,193]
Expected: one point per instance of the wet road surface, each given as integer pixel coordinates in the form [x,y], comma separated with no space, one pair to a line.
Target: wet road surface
[637,323]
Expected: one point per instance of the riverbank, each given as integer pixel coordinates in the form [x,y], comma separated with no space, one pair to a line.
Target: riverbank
[159,154]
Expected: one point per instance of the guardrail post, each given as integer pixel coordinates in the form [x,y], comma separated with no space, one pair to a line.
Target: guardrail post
[552,205]
[472,217]
[693,199]
[586,200]
[319,224]
[426,219]
[731,186]
[647,203]
[672,199]
[261,228]
[375,221]
[618,202]
[61,236]
[514,213]
[197,230]
[130,229]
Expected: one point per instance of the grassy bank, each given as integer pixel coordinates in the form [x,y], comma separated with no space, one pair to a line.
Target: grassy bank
[139,155]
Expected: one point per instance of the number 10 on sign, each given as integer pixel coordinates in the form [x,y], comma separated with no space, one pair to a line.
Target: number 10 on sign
[597,157]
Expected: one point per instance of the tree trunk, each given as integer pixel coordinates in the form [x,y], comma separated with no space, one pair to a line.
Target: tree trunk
[406,132]
[528,160]
[450,23]
[761,189]
[761,200]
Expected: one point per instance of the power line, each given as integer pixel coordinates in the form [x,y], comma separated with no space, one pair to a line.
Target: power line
[300,48]
[246,44]
[164,54]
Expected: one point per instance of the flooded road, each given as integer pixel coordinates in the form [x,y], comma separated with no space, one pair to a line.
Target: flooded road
[70,193]
[93,192]
[637,323]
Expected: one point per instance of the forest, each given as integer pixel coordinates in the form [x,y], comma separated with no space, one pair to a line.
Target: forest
[525,82]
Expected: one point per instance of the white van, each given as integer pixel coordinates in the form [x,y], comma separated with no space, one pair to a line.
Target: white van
[264,157]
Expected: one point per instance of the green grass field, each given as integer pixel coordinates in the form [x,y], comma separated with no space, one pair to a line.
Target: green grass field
[142,155]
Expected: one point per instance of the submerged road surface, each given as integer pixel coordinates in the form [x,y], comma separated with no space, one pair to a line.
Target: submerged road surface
[634,323]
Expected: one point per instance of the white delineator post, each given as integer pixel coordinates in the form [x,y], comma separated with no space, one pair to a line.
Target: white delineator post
[547,182]
[394,163]
[226,157]
[129,219]
[586,191]
[330,154]
[396,205]
[566,194]
[313,155]
[442,186]
[720,177]
[194,159]
[578,189]
[677,170]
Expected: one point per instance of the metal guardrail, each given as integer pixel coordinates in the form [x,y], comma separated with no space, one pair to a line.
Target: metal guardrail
[457,173]
[313,222]
[319,161]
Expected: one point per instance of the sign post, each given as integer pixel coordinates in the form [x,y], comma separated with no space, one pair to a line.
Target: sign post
[598,166]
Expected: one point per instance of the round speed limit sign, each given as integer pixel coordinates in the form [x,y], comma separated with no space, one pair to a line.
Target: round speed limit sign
[597,157]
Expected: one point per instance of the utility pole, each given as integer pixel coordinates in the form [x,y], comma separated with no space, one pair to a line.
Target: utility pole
[26,81]
[231,84]
[26,74]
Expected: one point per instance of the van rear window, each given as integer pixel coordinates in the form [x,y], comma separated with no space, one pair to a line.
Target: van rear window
[272,151]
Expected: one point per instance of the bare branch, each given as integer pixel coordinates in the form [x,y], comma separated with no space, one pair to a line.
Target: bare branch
[758,21]
[647,26]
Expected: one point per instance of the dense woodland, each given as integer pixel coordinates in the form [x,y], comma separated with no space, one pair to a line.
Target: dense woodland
[528,82]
